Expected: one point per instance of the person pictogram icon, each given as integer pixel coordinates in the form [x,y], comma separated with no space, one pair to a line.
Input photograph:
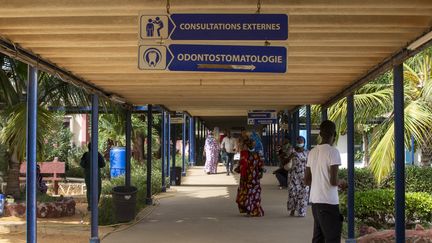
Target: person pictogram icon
[150,28]
[160,25]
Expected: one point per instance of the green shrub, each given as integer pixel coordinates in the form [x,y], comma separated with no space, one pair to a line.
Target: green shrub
[376,207]
[363,179]
[106,216]
[73,168]
[57,140]
[75,171]
[417,179]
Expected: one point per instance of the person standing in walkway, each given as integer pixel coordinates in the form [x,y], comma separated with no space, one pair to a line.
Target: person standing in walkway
[251,171]
[211,152]
[229,145]
[86,164]
[321,173]
[298,191]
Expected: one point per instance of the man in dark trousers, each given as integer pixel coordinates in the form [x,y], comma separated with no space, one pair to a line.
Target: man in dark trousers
[85,163]
[321,174]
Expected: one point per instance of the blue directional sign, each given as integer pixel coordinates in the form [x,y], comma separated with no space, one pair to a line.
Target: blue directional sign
[214,26]
[261,121]
[213,58]
[261,117]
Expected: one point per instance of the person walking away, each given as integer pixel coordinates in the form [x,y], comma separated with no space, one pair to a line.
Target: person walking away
[321,173]
[251,171]
[298,191]
[86,164]
[229,145]
[223,153]
[211,152]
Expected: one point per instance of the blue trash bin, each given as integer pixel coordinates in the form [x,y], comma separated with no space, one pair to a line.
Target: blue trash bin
[117,161]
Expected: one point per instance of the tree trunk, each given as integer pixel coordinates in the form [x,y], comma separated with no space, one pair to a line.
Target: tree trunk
[138,147]
[426,149]
[366,156]
[13,184]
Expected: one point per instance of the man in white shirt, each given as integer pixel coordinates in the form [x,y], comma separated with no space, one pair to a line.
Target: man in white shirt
[321,173]
[229,144]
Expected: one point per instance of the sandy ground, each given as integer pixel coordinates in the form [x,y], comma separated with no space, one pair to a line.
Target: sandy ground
[202,210]
[69,229]
[45,238]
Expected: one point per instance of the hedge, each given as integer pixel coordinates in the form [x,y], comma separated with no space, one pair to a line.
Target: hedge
[376,207]
[363,179]
[417,179]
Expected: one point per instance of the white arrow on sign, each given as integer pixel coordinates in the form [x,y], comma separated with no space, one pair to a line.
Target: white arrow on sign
[227,66]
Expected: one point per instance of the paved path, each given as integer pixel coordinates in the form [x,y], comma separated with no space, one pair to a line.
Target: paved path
[203,210]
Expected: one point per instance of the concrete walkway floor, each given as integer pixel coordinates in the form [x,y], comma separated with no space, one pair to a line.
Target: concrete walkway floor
[203,209]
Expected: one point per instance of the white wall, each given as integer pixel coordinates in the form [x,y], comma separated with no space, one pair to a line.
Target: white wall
[77,126]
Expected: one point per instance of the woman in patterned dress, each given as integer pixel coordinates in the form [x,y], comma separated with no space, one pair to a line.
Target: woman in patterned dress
[211,150]
[251,171]
[297,190]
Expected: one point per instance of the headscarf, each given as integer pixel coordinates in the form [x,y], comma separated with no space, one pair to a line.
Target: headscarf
[258,144]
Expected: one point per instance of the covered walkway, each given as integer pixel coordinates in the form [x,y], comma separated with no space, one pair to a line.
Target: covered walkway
[203,209]
[334,48]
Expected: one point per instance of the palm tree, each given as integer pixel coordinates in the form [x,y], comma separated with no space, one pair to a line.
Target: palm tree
[374,101]
[13,85]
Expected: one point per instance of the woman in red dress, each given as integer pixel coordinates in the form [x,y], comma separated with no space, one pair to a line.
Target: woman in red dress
[251,171]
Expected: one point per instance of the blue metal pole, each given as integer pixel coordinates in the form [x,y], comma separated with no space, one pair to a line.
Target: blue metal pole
[163,150]
[271,144]
[184,145]
[198,141]
[128,147]
[31,154]
[292,129]
[324,115]
[399,152]
[277,133]
[168,144]
[412,150]
[192,141]
[264,139]
[268,144]
[350,149]
[174,150]
[149,200]
[296,124]
[200,133]
[94,170]
[308,128]
[202,142]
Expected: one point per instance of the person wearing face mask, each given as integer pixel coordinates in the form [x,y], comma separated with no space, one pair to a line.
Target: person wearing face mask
[298,191]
